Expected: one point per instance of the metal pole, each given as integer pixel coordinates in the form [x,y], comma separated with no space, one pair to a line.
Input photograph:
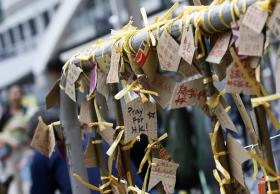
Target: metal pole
[73,142]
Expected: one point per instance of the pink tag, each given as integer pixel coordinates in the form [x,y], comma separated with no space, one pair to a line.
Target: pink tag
[93,79]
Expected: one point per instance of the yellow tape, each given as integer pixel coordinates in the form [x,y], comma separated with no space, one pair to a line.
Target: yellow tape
[213,101]
[262,100]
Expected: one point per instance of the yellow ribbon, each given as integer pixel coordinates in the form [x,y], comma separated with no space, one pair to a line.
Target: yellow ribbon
[217,155]
[146,24]
[256,89]
[266,5]
[136,87]
[93,187]
[213,101]
[262,100]
[147,158]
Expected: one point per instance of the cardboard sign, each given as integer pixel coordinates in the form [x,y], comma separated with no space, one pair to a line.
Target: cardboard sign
[188,93]
[113,75]
[165,172]
[142,54]
[236,82]
[43,139]
[219,49]
[101,86]
[164,86]
[187,47]
[224,119]
[274,21]
[237,156]
[85,113]
[90,156]
[140,118]
[167,50]
[187,70]
[250,43]
[103,62]
[255,18]
[53,95]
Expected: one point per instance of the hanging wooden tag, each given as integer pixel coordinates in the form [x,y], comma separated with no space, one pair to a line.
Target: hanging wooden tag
[236,82]
[103,62]
[43,139]
[113,75]
[188,93]
[187,70]
[167,51]
[90,156]
[101,85]
[165,172]
[53,95]
[255,18]
[164,86]
[73,73]
[274,21]
[85,113]
[219,49]
[140,118]
[70,90]
[224,118]
[250,43]
[187,47]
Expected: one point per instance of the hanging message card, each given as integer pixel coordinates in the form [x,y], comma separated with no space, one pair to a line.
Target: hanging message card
[274,21]
[70,90]
[236,82]
[101,85]
[167,50]
[255,18]
[224,118]
[113,75]
[250,43]
[187,70]
[165,172]
[219,49]
[103,62]
[90,156]
[84,112]
[188,93]
[73,73]
[237,156]
[53,95]
[43,139]
[163,153]
[187,47]
[140,118]
[164,86]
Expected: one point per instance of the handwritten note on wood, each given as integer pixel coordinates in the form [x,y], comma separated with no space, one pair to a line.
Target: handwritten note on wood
[101,85]
[224,118]
[165,172]
[164,86]
[187,47]
[70,90]
[250,43]
[236,82]
[43,139]
[140,118]
[188,93]
[167,50]
[187,70]
[219,49]
[255,18]
[73,73]
[274,21]
[103,62]
[113,75]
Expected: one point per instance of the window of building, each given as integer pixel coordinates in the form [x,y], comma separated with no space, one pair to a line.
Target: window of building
[46,18]
[21,32]
[12,37]
[32,26]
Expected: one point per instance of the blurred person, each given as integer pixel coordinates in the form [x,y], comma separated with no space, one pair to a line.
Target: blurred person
[49,174]
[13,137]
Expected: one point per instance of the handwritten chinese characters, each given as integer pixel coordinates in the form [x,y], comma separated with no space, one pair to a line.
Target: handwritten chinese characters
[188,93]
[187,47]
[165,172]
[219,49]
[236,82]
[140,118]
[167,50]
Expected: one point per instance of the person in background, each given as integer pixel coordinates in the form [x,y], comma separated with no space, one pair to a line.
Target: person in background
[49,174]
[13,137]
